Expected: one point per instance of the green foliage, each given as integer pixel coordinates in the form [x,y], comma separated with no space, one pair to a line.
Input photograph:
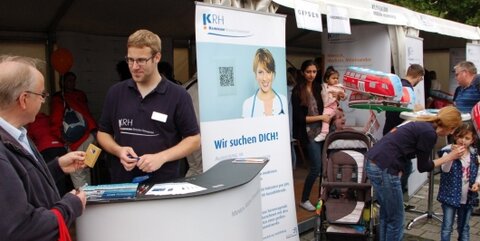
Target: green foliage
[463,11]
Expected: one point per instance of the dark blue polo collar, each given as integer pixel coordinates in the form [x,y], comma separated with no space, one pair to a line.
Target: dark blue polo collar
[161,88]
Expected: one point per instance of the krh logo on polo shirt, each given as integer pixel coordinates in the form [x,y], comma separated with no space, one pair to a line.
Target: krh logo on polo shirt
[125,122]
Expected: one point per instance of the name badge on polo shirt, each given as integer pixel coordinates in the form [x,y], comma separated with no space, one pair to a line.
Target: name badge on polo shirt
[159,117]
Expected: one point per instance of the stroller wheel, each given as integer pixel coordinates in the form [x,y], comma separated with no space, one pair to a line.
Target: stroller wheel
[318,229]
[373,234]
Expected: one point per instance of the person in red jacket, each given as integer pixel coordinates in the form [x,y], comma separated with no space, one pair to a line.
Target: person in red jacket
[45,141]
[77,100]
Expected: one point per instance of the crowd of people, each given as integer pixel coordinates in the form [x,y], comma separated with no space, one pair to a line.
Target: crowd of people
[144,144]
[389,161]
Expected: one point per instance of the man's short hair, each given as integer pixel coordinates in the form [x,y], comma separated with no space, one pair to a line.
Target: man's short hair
[144,38]
[466,65]
[16,76]
[415,70]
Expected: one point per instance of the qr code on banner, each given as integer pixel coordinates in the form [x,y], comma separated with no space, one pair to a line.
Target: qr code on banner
[226,76]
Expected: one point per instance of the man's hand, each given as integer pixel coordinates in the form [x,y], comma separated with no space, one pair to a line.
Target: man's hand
[72,161]
[127,157]
[151,162]
[82,195]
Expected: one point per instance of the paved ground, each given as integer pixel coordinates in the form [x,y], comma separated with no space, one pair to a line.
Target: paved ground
[426,229]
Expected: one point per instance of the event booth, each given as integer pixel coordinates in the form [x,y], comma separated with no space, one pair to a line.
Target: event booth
[382,36]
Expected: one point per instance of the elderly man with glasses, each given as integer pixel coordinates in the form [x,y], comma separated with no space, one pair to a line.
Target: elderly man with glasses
[467,93]
[30,204]
[148,123]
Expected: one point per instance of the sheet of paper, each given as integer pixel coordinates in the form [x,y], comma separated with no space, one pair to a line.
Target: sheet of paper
[174,189]
[250,160]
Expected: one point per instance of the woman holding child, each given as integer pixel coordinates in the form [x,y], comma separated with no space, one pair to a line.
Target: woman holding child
[307,108]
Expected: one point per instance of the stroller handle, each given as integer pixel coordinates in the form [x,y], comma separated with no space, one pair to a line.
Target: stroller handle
[354,185]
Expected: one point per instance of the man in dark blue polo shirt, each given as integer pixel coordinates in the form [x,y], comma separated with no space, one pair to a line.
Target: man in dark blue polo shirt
[148,123]
[467,93]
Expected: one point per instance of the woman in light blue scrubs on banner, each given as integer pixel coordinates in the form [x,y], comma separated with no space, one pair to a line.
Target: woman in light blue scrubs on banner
[266,101]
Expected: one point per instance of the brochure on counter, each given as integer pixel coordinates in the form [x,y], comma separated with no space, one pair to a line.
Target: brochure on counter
[111,191]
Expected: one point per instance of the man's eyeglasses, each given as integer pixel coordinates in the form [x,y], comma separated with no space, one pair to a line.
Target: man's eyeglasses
[44,95]
[140,61]
[457,73]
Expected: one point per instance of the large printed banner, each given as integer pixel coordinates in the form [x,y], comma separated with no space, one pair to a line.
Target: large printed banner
[367,47]
[414,55]
[243,106]
[473,54]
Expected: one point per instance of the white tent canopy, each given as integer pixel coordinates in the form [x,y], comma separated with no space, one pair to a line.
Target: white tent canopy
[375,11]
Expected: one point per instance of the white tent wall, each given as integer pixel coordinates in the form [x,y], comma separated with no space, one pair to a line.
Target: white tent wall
[397,44]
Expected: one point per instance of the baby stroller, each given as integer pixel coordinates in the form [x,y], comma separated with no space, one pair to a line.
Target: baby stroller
[345,204]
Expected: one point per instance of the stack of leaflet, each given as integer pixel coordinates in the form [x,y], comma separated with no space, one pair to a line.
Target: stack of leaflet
[111,191]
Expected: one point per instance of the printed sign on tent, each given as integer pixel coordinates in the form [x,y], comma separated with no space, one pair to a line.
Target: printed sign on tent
[414,55]
[338,20]
[473,54]
[308,15]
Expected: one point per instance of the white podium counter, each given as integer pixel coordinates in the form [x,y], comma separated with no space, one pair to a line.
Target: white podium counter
[229,209]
